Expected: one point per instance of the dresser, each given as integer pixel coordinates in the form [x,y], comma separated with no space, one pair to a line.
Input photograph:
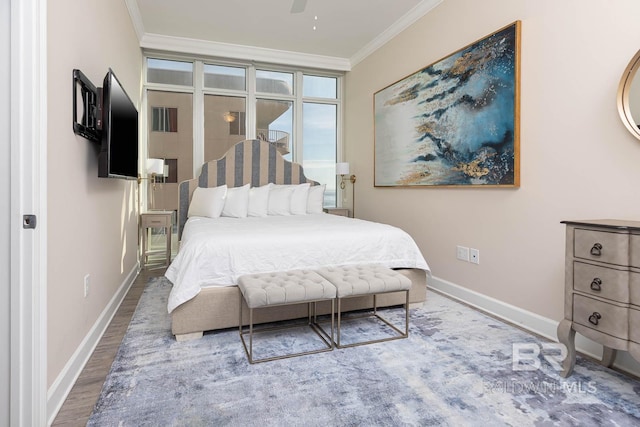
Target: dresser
[602,288]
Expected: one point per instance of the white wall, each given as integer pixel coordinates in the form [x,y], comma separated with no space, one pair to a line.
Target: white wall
[92,221]
[578,161]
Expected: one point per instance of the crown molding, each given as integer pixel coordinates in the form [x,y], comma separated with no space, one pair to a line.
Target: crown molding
[400,25]
[136,18]
[241,52]
[251,53]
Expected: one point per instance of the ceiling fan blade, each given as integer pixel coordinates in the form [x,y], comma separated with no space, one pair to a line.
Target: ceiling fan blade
[298,6]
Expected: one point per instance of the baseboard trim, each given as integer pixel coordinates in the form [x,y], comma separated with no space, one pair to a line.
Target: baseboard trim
[63,384]
[527,320]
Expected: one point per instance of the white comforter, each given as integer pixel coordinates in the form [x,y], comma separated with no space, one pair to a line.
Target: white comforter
[215,252]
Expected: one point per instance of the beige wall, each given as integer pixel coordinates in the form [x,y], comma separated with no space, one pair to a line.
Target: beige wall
[578,161]
[92,221]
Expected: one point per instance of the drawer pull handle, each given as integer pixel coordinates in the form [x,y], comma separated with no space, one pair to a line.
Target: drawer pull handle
[594,318]
[596,284]
[596,250]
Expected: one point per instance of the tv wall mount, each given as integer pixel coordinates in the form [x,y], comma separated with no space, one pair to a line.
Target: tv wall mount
[89,97]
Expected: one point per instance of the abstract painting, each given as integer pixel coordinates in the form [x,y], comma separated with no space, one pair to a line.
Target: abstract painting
[455,122]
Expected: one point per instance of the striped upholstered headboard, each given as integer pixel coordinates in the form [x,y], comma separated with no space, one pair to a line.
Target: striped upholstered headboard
[251,161]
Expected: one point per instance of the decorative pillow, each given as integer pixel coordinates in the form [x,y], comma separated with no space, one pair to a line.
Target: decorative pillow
[299,199]
[316,198]
[207,202]
[237,202]
[280,200]
[259,200]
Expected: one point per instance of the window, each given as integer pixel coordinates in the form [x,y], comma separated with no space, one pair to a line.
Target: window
[222,77]
[319,87]
[320,127]
[274,82]
[320,131]
[164,119]
[237,122]
[172,142]
[274,123]
[169,72]
[171,168]
[296,111]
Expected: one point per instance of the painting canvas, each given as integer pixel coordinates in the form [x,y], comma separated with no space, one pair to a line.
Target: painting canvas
[455,122]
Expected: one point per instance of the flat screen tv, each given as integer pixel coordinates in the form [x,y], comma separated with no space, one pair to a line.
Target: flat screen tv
[118,156]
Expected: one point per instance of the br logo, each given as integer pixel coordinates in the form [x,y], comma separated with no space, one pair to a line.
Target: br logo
[526,356]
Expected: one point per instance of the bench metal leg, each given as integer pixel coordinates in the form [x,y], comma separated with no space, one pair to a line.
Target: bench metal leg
[327,339]
[400,334]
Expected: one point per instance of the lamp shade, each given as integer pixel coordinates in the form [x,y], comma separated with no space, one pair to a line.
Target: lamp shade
[342,168]
[155,166]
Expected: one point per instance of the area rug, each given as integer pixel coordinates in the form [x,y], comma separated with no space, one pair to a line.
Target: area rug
[456,368]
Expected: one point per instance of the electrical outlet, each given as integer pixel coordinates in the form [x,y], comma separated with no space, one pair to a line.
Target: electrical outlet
[87,280]
[474,256]
[462,253]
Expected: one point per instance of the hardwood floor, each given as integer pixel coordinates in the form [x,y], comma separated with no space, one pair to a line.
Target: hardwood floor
[77,408]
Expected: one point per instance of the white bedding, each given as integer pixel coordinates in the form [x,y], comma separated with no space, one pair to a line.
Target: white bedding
[216,251]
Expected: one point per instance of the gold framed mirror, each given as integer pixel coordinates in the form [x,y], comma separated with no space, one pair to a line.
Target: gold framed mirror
[629,96]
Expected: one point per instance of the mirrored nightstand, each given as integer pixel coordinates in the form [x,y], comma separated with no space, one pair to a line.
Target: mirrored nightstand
[155,219]
[337,211]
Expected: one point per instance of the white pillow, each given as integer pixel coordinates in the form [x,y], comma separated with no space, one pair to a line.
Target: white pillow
[207,202]
[299,199]
[316,198]
[259,200]
[280,200]
[237,202]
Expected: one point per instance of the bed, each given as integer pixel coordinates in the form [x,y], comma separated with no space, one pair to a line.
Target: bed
[218,247]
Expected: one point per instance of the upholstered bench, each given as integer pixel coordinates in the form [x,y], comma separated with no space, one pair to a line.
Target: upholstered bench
[359,280]
[283,288]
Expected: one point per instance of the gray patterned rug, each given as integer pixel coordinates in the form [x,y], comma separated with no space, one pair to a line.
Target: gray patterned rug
[456,368]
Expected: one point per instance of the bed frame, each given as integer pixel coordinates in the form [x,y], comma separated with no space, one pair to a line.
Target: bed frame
[256,162]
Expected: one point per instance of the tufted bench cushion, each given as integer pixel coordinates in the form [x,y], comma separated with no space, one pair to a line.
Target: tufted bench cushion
[284,287]
[355,280]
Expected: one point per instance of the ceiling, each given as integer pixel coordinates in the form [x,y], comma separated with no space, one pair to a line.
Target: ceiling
[345,32]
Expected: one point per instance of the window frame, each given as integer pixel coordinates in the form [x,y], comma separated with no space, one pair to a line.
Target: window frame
[251,95]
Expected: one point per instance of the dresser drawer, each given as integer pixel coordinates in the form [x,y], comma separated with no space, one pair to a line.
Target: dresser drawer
[155,220]
[634,289]
[606,318]
[601,281]
[634,244]
[634,330]
[612,248]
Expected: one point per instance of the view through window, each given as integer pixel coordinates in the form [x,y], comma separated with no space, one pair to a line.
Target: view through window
[296,111]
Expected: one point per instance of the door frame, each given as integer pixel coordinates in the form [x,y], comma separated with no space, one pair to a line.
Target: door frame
[28,145]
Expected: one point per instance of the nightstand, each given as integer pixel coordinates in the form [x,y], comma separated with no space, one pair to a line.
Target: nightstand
[155,219]
[337,211]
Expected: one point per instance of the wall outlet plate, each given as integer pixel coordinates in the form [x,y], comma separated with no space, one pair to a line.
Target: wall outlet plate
[474,256]
[462,253]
